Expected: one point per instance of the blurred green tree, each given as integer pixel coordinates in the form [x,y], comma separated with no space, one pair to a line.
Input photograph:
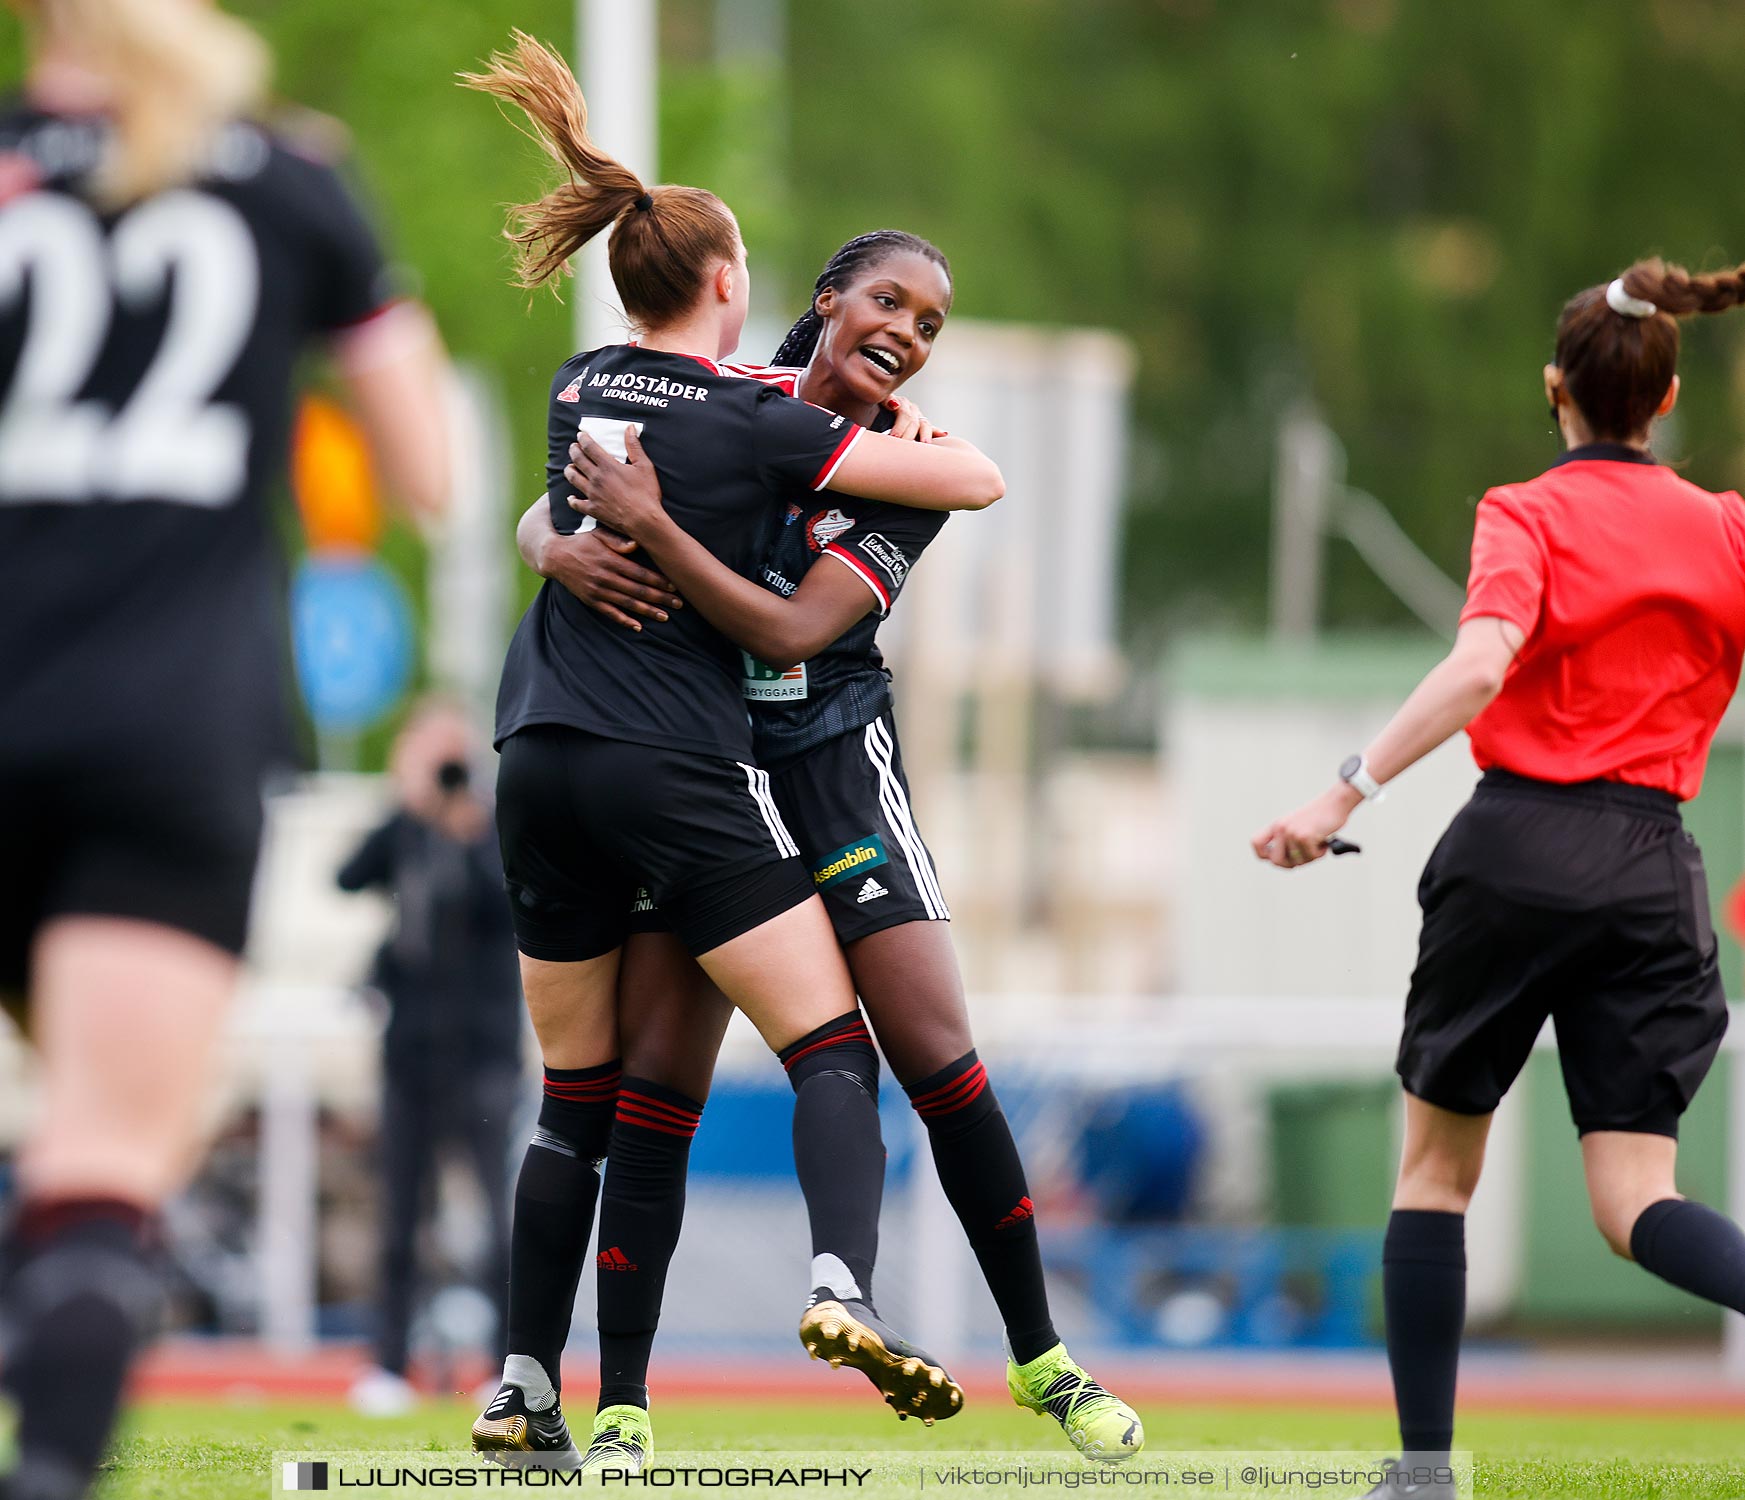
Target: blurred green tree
[1376,204]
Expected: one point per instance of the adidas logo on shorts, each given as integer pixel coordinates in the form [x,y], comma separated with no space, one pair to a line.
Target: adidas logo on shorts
[871,891]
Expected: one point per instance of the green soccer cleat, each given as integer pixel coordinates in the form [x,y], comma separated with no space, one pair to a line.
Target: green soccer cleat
[1102,1427]
[623,1442]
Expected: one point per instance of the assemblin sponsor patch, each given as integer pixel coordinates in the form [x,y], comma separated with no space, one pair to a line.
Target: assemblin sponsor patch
[850,859]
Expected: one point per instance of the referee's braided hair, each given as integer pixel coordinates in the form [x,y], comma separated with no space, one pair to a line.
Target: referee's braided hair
[860,254]
[664,239]
[1617,367]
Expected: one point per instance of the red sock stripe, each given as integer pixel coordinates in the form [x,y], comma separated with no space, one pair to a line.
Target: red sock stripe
[583,1090]
[855,1033]
[678,1114]
[954,1095]
[633,1114]
[43,1218]
[950,1083]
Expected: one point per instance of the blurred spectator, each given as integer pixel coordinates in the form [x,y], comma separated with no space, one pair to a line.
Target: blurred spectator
[451,1051]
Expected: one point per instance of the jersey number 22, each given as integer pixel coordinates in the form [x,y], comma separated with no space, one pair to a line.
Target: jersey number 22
[168,440]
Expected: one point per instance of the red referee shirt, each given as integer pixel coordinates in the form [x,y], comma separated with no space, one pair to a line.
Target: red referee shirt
[1629,583]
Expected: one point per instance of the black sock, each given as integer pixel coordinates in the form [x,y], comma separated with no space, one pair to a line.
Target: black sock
[554,1210]
[982,1176]
[1693,1247]
[641,1209]
[1424,1291]
[838,1154]
[80,1292]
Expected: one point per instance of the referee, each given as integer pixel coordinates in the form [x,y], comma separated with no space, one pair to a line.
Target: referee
[1599,646]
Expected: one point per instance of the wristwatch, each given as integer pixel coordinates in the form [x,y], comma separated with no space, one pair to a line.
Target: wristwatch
[1354,772]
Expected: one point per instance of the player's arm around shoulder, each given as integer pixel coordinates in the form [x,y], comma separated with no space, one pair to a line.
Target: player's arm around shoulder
[947,473]
[777,631]
[595,566]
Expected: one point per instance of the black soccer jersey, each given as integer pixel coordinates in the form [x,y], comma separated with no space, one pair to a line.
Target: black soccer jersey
[727,448]
[846,685]
[145,378]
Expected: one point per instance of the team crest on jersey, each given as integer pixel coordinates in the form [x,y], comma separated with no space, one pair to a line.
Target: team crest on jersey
[572,391]
[825,527]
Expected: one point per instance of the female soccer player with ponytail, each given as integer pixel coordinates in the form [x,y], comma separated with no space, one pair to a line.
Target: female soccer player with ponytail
[164,262]
[627,757]
[823,729]
[1599,647]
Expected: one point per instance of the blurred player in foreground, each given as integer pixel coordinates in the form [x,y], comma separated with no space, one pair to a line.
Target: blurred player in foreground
[1599,647]
[163,262]
[451,1051]
[603,789]
[823,726]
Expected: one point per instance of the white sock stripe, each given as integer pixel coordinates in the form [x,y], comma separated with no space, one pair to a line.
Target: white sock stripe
[922,859]
[901,831]
[757,782]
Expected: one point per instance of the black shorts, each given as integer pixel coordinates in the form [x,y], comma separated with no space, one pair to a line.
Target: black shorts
[1584,903]
[152,837]
[846,802]
[584,821]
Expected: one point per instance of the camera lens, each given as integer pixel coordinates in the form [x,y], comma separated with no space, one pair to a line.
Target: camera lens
[452,775]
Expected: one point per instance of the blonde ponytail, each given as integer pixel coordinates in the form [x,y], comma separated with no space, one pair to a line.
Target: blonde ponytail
[177,71]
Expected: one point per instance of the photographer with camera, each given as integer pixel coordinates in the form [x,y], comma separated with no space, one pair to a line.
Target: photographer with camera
[451,1050]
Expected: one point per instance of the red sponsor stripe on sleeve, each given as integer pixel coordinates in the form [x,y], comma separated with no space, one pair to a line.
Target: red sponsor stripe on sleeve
[392,305]
[836,457]
[842,555]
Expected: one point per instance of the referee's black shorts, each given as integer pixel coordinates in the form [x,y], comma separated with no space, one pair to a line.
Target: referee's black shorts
[1585,903]
[847,804]
[585,821]
[166,834]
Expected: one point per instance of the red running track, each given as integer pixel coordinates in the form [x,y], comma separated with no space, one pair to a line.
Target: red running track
[211,1369]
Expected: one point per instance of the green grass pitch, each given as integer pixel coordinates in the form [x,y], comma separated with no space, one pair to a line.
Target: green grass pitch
[197,1451]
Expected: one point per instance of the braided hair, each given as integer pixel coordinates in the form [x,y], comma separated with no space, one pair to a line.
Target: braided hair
[859,254]
[1617,365]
